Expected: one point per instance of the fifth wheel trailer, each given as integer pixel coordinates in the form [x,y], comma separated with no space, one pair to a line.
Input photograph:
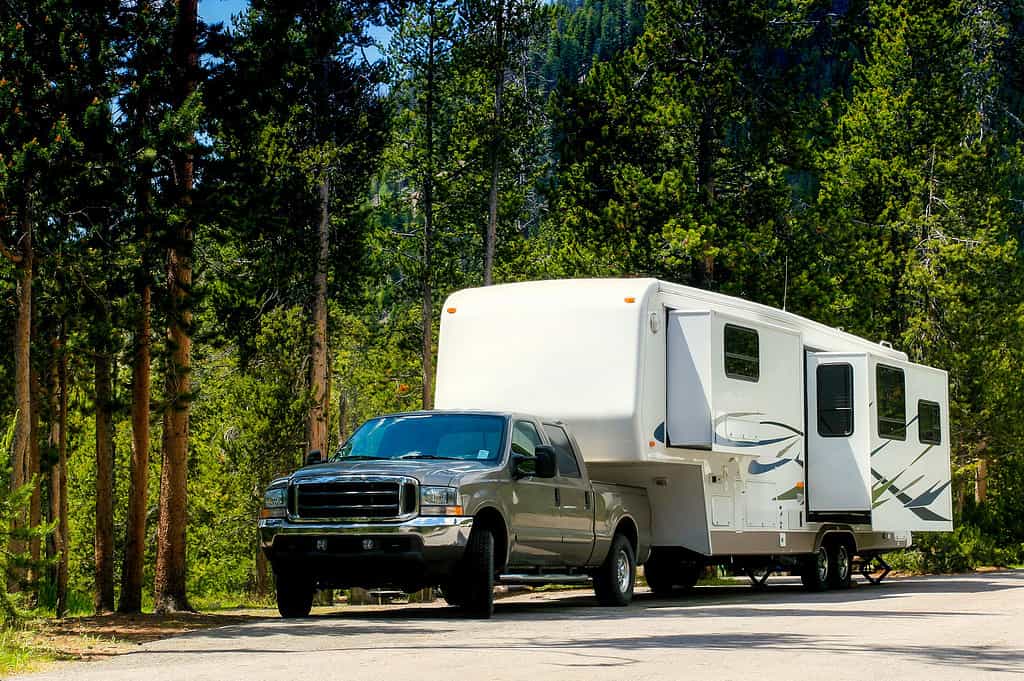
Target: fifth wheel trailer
[764,440]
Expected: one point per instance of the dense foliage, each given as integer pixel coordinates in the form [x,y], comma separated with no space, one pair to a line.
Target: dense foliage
[858,163]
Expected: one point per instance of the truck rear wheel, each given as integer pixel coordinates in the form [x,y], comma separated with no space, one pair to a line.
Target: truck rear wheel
[615,579]
[294,595]
[815,572]
[476,591]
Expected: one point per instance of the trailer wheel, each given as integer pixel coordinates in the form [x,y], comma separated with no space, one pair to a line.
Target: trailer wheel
[477,588]
[815,572]
[660,575]
[840,570]
[294,595]
[615,579]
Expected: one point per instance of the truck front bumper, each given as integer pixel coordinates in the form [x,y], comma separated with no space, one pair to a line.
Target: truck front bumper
[418,552]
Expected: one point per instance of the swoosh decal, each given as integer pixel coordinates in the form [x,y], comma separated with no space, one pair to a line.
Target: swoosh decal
[782,425]
[757,468]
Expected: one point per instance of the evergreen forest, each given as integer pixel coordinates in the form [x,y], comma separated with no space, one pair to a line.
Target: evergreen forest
[224,245]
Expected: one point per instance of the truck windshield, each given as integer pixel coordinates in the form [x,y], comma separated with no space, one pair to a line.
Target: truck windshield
[466,437]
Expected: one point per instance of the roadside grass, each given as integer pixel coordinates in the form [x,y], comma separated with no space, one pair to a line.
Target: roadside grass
[20,651]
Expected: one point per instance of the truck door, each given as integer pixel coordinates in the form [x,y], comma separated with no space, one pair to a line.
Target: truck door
[535,523]
[838,433]
[575,500]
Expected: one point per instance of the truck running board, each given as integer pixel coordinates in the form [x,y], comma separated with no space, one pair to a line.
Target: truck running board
[544,579]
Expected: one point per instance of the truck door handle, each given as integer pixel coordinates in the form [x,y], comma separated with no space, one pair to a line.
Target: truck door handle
[558,497]
[586,500]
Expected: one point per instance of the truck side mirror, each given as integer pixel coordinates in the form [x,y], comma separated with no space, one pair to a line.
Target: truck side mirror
[314,457]
[545,455]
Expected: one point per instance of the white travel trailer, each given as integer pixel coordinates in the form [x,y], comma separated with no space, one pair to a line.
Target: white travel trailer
[764,440]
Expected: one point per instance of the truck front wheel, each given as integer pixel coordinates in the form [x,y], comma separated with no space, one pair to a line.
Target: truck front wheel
[477,589]
[294,595]
[614,580]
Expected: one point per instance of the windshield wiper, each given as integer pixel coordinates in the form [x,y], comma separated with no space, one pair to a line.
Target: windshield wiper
[429,456]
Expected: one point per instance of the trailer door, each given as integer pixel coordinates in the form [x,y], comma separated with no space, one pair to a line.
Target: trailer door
[838,433]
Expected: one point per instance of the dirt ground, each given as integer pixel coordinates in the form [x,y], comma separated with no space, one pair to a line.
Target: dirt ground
[103,636]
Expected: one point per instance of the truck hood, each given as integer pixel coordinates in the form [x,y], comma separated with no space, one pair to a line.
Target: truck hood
[427,472]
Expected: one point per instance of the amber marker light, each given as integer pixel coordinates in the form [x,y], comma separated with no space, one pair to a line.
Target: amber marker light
[630,299]
[800,485]
[651,443]
[451,310]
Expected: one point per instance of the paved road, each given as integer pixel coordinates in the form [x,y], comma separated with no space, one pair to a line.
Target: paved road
[935,628]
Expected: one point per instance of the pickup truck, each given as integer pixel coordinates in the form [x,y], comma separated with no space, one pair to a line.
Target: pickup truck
[457,499]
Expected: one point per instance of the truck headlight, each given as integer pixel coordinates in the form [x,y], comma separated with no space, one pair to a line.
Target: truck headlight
[275,501]
[276,497]
[439,501]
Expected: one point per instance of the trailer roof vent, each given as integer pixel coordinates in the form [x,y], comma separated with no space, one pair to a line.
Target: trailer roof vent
[885,344]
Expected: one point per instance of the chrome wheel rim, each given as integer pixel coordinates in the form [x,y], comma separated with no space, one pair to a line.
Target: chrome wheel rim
[822,565]
[842,563]
[622,571]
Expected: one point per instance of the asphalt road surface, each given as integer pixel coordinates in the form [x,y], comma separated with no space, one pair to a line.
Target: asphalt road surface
[933,628]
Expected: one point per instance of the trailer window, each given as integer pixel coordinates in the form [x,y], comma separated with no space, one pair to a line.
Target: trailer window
[929,427]
[835,400]
[742,353]
[567,466]
[891,394]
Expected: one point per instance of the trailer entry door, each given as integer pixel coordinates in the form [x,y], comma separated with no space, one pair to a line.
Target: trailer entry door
[838,433]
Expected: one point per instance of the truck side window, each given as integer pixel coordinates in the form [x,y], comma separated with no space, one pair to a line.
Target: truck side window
[525,438]
[567,465]
[892,402]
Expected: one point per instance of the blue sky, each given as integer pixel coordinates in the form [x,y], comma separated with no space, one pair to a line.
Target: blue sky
[220,11]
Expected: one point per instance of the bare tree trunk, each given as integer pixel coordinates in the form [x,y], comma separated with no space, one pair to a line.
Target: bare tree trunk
[35,511]
[981,481]
[427,311]
[496,144]
[58,474]
[104,547]
[138,492]
[316,424]
[22,448]
[170,560]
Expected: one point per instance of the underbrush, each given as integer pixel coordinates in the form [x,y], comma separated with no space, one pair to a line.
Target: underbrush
[962,550]
[19,653]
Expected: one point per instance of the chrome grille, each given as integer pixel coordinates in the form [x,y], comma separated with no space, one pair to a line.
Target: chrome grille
[354,499]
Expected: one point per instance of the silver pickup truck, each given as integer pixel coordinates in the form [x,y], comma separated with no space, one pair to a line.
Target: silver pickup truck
[462,500]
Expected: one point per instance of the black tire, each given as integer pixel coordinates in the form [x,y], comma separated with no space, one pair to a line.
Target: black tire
[840,568]
[477,584]
[294,595]
[615,579]
[660,576]
[453,594]
[816,570]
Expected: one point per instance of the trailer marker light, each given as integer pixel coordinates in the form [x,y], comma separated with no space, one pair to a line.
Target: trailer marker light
[651,444]
[630,299]
[451,310]
[800,484]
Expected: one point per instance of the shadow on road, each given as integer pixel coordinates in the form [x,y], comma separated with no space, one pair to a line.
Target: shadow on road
[394,630]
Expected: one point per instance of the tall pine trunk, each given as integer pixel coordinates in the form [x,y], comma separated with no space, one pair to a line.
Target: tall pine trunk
[58,442]
[138,491]
[35,510]
[496,143]
[427,311]
[170,593]
[316,424]
[22,446]
[104,543]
